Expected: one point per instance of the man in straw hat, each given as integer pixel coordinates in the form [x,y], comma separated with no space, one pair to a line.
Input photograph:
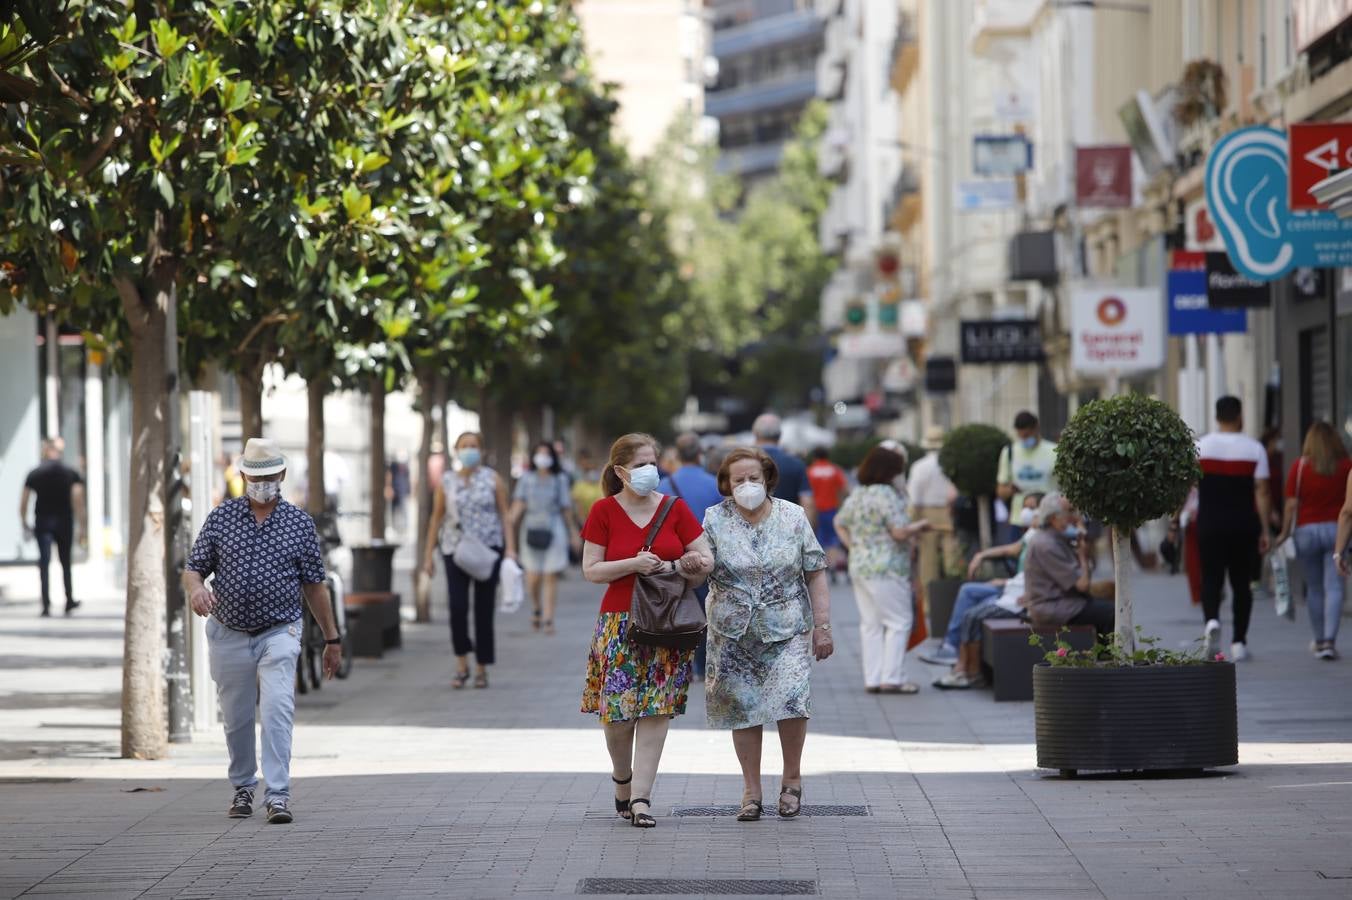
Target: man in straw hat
[932,495]
[264,553]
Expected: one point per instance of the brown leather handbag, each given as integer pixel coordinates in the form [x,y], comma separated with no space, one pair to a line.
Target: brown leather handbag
[664,611]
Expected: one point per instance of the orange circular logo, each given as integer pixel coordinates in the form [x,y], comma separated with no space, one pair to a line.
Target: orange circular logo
[1111,311]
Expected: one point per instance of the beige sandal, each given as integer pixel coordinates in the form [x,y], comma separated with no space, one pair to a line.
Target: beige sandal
[751,808]
[795,795]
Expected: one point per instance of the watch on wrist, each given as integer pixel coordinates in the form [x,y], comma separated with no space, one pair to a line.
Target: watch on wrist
[333,642]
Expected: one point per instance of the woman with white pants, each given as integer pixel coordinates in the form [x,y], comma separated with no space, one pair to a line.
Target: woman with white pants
[874,526]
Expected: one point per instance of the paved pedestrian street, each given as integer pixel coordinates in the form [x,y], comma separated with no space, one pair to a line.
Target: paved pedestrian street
[406,788]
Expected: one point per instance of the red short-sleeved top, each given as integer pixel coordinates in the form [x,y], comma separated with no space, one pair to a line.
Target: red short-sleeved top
[609,526]
[1321,496]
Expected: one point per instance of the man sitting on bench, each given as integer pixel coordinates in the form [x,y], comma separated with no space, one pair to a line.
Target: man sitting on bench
[1058,571]
[974,594]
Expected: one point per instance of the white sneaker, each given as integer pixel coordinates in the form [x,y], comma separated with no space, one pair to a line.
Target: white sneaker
[1211,638]
[1239,651]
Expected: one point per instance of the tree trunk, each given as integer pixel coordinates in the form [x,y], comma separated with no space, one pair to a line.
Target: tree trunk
[377,458]
[145,726]
[983,521]
[1126,630]
[430,395]
[496,425]
[250,381]
[315,390]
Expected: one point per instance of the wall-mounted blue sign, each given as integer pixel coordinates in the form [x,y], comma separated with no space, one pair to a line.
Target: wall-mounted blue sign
[1001,155]
[1246,192]
[1188,309]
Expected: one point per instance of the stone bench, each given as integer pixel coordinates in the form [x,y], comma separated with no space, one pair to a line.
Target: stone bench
[1007,659]
[373,621]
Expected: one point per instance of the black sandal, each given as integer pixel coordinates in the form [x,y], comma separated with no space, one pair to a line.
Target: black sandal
[535,619]
[638,819]
[481,680]
[796,794]
[549,626]
[460,680]
[622,806]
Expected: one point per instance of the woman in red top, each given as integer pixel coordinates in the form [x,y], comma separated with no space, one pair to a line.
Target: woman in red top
[1314,497]
[636,689]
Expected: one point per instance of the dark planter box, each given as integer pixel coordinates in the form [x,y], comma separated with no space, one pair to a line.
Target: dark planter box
[373,569]
[1142,718]
[940,596]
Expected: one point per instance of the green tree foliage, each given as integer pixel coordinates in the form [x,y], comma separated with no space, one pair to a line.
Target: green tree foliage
[27,29]
[1126,460]
[970,458]
[754,265]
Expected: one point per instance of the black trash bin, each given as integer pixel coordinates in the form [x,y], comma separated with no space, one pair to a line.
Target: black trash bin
[373,569]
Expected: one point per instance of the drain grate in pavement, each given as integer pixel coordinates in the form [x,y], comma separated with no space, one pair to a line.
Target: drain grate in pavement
[727,886]
[38,780]
[808,810]
[1336,874]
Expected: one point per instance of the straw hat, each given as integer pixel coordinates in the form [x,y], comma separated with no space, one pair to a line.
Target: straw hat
[934,438]
[261,457]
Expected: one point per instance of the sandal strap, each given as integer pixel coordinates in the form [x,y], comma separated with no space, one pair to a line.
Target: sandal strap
[626,781]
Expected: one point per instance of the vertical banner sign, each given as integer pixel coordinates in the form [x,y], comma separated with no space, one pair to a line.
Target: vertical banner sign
[1116,330]
[1317,151]
[1227,288]
[1103,177]
[1189,311]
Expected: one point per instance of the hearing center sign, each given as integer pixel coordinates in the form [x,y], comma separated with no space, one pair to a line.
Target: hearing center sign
[1116,330]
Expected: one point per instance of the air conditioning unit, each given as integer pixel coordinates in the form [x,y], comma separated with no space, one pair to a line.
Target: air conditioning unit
[1032,257]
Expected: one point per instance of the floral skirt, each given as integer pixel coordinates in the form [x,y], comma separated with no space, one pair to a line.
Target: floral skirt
[750,682]
[629,681]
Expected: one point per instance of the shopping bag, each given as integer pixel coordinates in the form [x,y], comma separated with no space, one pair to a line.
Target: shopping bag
[1281,586]
[511,587]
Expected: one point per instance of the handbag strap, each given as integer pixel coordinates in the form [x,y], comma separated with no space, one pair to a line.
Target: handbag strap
[656,528]
[1300,474]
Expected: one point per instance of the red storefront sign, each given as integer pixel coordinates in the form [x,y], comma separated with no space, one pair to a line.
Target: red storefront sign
[1316,151]
[1103,177]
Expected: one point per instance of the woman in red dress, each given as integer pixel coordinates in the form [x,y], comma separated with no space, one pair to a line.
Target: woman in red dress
[636,689]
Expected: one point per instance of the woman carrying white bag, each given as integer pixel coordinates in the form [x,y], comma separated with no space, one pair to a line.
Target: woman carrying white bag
[468,512]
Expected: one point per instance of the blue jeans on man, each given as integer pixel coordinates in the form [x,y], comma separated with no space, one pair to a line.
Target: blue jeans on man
[256,669]
[971,595]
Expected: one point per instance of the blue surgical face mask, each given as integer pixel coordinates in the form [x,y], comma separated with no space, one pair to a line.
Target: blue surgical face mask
[469,457]
[1071,531]
[643,479]
[1029,442]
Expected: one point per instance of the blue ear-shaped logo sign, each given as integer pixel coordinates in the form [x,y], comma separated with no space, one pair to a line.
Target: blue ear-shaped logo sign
[1246,191]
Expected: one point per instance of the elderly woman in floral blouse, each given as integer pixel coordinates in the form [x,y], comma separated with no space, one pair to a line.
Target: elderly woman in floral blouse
[769,615]
[874,527]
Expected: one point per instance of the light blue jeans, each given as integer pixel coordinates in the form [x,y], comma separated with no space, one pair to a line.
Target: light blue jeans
[257,670]
[971,595]
[1323,584]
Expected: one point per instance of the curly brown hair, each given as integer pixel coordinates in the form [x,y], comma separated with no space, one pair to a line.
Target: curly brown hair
[881,466]
[769,471]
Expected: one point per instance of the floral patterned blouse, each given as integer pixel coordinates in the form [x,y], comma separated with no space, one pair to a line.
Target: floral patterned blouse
[757,584]
[473,506]
[868,515]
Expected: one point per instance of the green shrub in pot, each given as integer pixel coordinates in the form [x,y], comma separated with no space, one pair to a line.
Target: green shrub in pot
[970,457]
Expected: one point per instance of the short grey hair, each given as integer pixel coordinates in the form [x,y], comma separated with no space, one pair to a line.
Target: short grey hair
[1054,504]
[767,427]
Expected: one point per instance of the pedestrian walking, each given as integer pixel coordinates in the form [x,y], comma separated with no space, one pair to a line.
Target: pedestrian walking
[1315,488]
[636,689]
[542,510]
[1232,505]
[262,554]
[398,487]
[830,485]
[932,496]
[793,485]
[1025,466]
[769,615]
[699,489]
[470,504]
[875,527]
[58,510]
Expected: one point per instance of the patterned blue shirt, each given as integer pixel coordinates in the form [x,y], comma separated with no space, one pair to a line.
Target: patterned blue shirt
[259,569]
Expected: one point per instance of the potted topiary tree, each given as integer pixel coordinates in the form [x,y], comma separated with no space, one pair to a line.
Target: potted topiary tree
[1128,704]
[970,458]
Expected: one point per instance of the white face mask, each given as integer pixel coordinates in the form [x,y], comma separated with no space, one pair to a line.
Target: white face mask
[1026,517]
[749,495]
[543,461]
[643,480]
[263,491]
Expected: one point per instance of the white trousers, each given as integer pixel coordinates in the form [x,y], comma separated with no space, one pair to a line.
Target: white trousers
[886,614]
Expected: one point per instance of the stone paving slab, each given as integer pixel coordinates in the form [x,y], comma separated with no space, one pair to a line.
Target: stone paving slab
[406,788]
